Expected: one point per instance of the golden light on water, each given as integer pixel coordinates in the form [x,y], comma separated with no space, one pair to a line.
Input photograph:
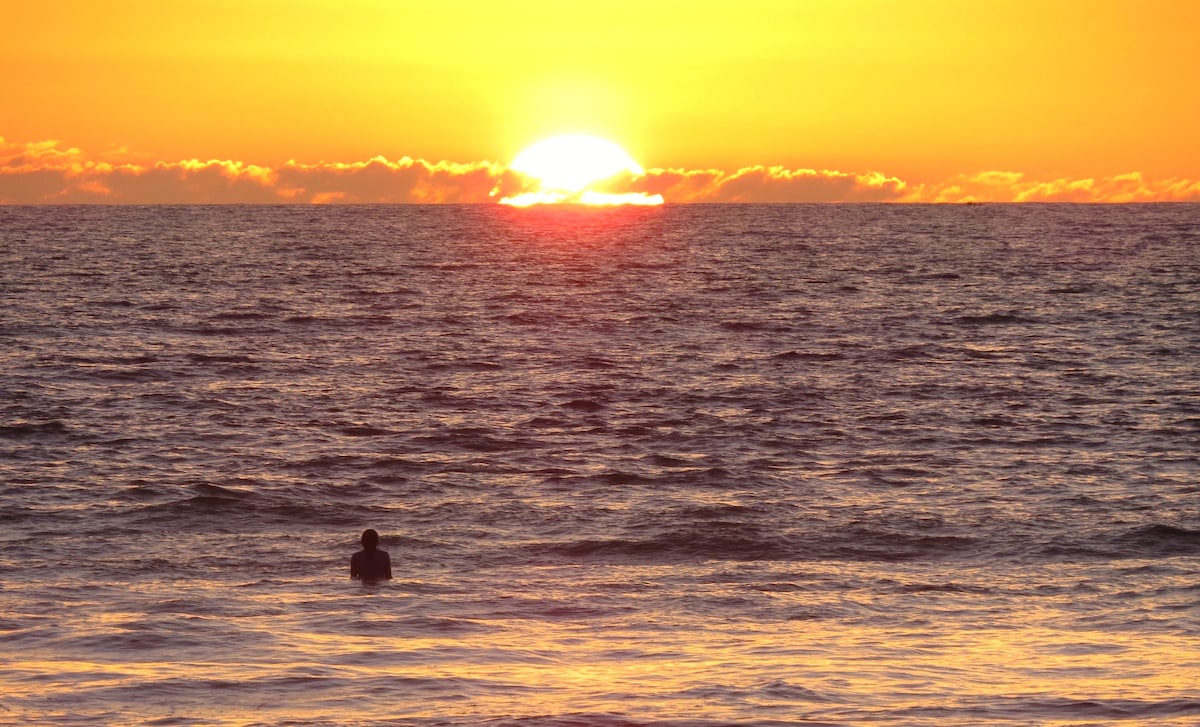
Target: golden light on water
[568,169]
[545,640]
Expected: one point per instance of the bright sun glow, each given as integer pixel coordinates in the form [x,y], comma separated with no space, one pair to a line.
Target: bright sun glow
[566,168]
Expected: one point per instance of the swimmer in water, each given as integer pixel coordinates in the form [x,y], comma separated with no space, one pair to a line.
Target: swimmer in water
[371,563]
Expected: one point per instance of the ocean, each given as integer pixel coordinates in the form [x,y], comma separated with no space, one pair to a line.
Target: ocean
[683,466]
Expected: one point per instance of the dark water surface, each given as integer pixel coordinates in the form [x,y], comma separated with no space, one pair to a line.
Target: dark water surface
[692,465]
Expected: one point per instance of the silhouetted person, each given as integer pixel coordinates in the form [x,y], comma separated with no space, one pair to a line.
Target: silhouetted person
[371,563]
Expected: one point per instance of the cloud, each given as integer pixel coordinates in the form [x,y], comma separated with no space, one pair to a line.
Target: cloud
[772,184]
[45,172]
[998,186]
[49,172]
[16,155]
[380,180]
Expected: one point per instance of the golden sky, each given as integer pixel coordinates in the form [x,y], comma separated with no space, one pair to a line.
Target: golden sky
[943,97]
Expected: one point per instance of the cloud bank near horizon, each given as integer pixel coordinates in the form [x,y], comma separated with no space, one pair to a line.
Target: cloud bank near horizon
[47,172]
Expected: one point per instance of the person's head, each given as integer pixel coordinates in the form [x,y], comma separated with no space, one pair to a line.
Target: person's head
[370,539]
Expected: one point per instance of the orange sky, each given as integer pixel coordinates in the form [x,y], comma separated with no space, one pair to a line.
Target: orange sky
[949,99]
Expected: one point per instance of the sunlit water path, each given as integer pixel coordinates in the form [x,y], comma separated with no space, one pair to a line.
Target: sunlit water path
[711,465]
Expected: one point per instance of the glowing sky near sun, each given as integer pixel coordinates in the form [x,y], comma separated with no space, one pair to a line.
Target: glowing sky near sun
[576,168]
[773,100]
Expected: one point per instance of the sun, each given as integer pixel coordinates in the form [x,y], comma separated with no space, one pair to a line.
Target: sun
[564,169]
[571,163]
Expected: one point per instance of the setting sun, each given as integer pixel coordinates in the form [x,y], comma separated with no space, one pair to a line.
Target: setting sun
[564,169]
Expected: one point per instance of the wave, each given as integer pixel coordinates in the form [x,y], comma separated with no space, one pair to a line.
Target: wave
[363,430]
[242,316]
[715,544]
[22,430]
[731,533]
[472,439]
[718,539]
[754,326]
[587,405]
[809,356]
[227,331]
[203,358]
[110,360]
[993,319]
[1055,709]
[598,719]
[232,509]
[1158,541]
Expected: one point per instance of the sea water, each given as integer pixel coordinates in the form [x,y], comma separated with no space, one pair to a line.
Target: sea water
[689,465]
